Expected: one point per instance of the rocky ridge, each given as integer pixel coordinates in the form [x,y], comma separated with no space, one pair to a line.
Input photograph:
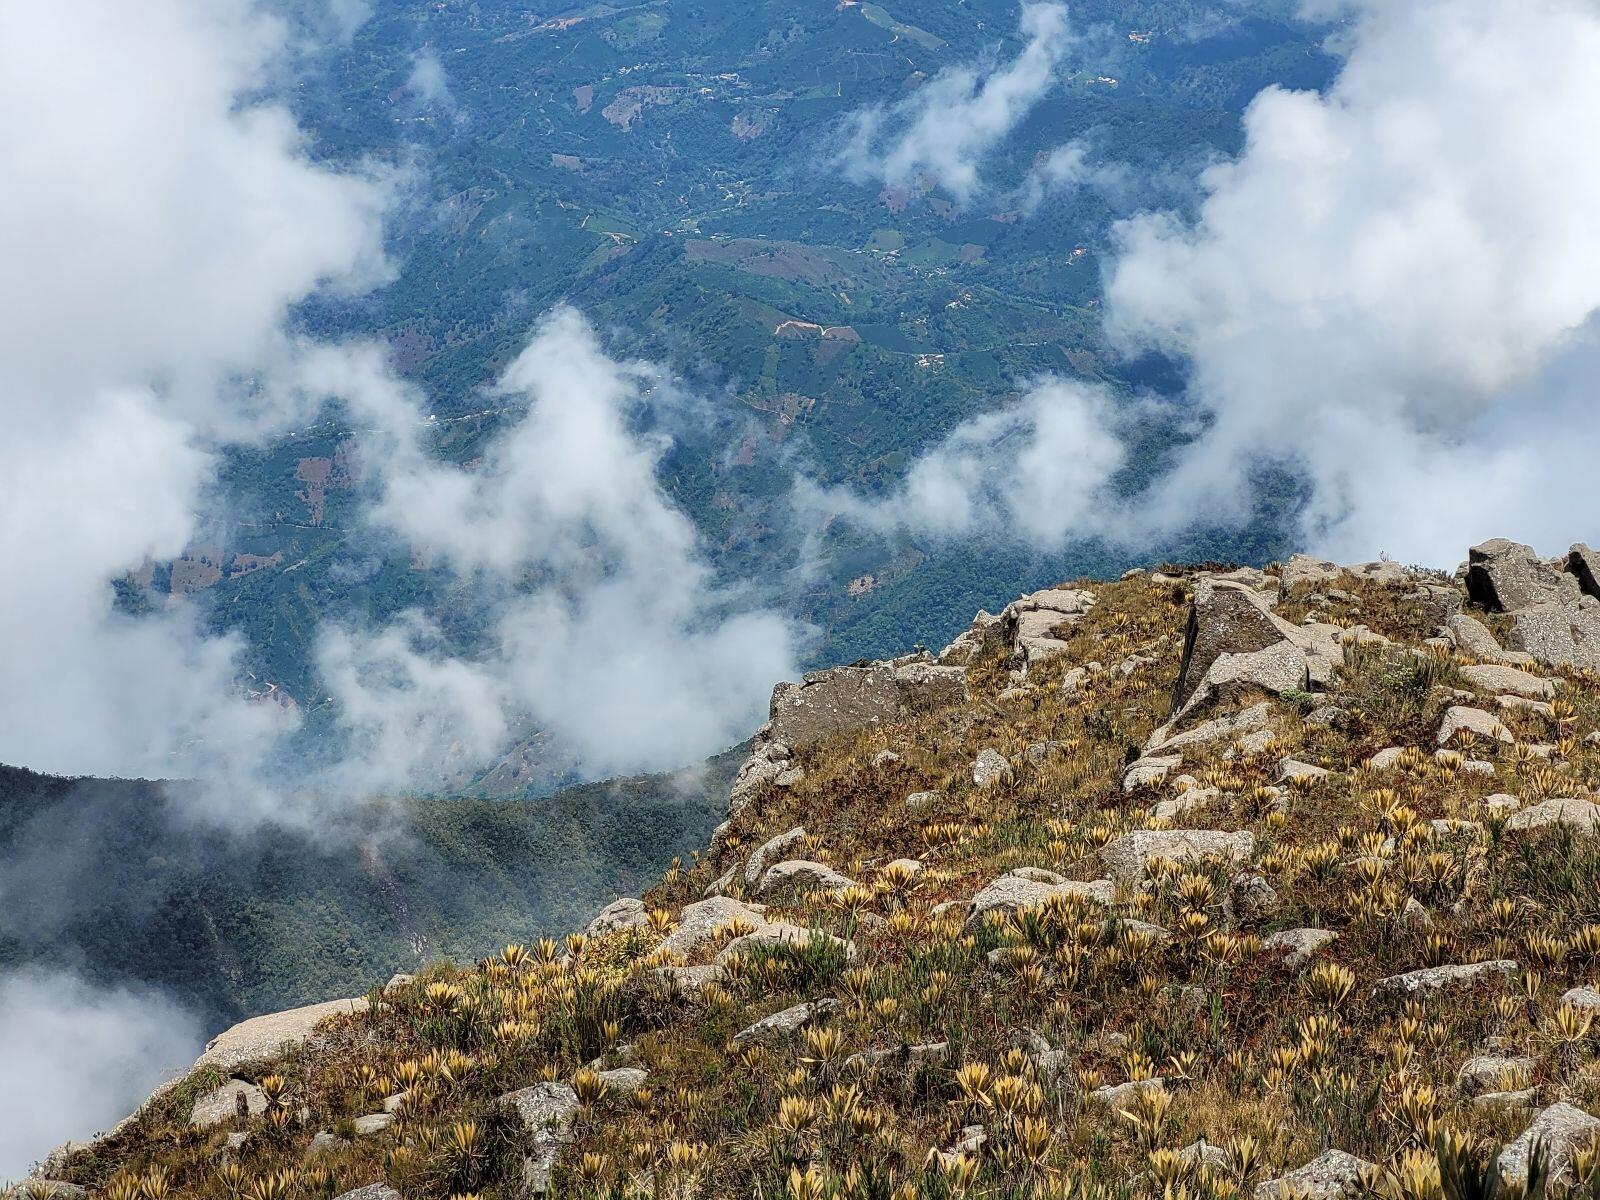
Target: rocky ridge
[1273,880]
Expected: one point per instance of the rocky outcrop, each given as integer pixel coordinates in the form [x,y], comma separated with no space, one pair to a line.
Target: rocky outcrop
[1554,608]
[625,913]
[1235,643]
[838,701]
[699,922]
[1304,573]
[265,1036]
[1031,625]
[847,698]
[236,1098]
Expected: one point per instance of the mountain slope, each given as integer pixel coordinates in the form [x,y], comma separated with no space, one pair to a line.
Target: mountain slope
[1168,887]
[110,878]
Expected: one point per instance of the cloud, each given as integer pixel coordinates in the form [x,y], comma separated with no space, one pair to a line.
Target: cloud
[163,220]
[80,1058]
[606,628]
[1067,169]
[944,130]
[1382,289]
[1391,291]
[428,82]
[1038,470]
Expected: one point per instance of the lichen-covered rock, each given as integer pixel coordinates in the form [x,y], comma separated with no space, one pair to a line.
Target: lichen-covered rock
[699,922]
[1017,889]
[1126,858]
[1332,1173]
[1432,979]
[222,1103]
[371,1191]
[545,1112]
[1299,945]
[1557,634]
[771,851]
[989,768]
[625,913]
[1575,812]
[1561,1130]
[800,875]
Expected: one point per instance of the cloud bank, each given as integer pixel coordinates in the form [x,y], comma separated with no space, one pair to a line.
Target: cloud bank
[606,627]
[161,223]
[78,1059]
[1391,290]
[943,131]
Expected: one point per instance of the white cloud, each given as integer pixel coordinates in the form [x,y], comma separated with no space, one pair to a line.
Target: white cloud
[161,223]
[944,130]
[428,81]
[80,1058]
[1392,290]
[1382,288]
[607,629]
[1071,167]
[1036,470]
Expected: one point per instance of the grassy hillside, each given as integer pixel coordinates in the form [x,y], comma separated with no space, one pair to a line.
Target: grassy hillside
[1047,977]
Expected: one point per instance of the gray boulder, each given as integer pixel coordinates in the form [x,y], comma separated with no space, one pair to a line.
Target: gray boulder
[770,852]
[626,913]
[1510,681]
[780,1025]
[1032,624]
[1299,945]
[1031,887]
[1586,998]
[1504,576]
[372,1191]
[545,1112]
[1576,812]
[698,923]
[1126,858]
[989,768]
[801,875]
[222,1103]
[1494,1073]
[1433,979]
[1561,1129]
[1332,1173]
[1459,718]
[847,698]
